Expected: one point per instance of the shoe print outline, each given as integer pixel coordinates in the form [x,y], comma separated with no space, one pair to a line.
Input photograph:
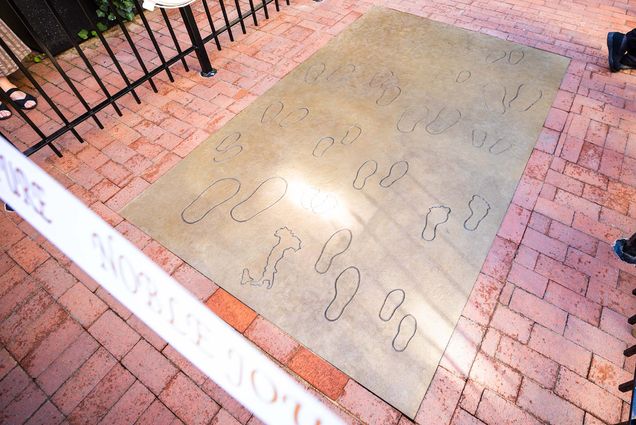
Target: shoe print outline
[401,170]
[247,202]
[337,244]
[349,277]
[370,166]
[229,180]
[396,297]
[224,151]
[406,328]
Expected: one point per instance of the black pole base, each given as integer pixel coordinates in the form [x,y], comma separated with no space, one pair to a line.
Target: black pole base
[208,74]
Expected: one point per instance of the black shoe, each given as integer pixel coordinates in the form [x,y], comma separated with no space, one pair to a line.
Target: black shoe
[628,62]
[8,208]
[615,47]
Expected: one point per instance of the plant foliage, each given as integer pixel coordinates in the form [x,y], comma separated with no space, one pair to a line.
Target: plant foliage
[108,11]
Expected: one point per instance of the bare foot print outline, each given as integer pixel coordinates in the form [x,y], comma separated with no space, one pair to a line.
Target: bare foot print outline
[397,171]
[338,243]
[405,333]
[479,209]
[346,286]
[436,216]
[366,170]
[264,197]
[228,148]
[287,242]
[392,302]
[216,194]
[445,119]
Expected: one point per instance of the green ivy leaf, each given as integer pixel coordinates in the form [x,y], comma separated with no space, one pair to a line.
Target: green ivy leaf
[83,34]
[111,17]
[101,26]
[100,13]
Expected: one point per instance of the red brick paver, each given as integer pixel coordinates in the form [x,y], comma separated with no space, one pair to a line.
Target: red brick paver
[540,339]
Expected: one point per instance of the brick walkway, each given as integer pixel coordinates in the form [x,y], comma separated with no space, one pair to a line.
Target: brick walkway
[540,340]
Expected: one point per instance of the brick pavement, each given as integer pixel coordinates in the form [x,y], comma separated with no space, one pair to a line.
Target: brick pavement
[540,340]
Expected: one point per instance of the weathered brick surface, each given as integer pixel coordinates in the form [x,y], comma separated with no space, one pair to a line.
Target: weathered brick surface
[550,292]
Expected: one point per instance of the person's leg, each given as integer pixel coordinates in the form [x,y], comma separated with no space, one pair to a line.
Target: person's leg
[6,85]
[630,42]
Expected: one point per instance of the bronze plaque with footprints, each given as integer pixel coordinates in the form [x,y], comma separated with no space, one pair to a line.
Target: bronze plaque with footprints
[354,203]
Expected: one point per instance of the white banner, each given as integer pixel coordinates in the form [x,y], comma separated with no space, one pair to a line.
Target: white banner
[162,303]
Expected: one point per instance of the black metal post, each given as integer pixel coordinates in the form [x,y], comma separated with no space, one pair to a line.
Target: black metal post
[195,36]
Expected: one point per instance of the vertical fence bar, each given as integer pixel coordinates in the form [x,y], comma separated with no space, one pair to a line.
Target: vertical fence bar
[131,43]
[195,37]
[174,38]
[240,16]
[110,52]
[153,39]
[211,22]
[265,9]
[277,5]
[79,51]
[253,11]
[227,21]
[54,61]
[37,86]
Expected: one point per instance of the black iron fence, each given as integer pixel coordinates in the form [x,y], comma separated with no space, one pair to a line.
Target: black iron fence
[221,19]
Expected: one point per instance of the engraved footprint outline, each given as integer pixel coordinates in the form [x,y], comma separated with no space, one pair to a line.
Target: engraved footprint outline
[352,134]
[234,214]
[473,212]
[322,146]
[390,179]
[294,117]
[314,72]
[480,138]
[368,173]
[236,148]
[348,296]
[395,304]
[408,321]
[411,117]
[334,240]
[463,76]
[272,112]
[446,211]
[214,206]
[445,119]
[522,101]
